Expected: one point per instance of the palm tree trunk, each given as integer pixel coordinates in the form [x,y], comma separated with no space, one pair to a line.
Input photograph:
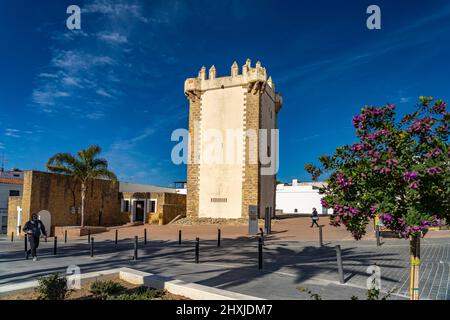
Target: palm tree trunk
[414,248]
[83,195]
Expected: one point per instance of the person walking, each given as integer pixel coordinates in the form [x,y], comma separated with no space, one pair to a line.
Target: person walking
[33,230]
[314,218]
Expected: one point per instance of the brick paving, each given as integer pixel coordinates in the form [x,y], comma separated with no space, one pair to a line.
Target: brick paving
[292,258]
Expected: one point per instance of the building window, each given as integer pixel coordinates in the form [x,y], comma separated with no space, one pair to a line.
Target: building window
[218,199]
[152,206]
[14,193]
[125,205]
[268,151]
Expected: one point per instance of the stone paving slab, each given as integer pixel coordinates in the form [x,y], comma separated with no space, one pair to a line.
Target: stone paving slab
[287,265]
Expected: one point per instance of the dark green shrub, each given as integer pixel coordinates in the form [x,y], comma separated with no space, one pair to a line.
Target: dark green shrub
[106,288]
[52,287]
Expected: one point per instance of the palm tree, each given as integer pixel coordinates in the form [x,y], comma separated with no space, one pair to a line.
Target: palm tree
[82,167]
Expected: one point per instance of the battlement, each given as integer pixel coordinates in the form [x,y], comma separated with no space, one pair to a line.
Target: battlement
[249,76]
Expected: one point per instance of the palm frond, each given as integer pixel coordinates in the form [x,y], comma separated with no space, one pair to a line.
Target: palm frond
[104,174]
[62,163]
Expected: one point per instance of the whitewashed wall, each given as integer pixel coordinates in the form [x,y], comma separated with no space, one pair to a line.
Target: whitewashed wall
[302,198]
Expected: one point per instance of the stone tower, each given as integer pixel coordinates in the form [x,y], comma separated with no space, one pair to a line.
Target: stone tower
[230,156]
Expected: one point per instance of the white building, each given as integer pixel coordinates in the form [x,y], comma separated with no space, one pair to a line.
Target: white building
[300,197]
[11,184]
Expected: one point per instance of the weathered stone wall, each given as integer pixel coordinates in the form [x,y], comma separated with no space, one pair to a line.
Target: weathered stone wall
[13,203]
[193,168]
[267,181]
[58,194]
[250,183]
[174,204]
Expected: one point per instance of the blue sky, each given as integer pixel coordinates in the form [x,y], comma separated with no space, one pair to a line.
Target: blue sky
[119,81]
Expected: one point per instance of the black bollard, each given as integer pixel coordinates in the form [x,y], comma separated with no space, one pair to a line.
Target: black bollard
[135,255]
[92,246]
[89,235]
[179,236]
[320,236]
[260,253]
[26,242]
[117,235]
[12,236]
[55,245]
[339,263]
[218,238]
[65,236]
[377,235]
[197,250]
[261,232]
[145,236]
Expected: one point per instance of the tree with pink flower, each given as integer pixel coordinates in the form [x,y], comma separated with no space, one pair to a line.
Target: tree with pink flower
[398,170]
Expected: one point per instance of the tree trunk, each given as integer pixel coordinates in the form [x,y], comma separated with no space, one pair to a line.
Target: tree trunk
[414,249]
[83,196]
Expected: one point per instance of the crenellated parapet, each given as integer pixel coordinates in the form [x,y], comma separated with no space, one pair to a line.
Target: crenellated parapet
[255,79]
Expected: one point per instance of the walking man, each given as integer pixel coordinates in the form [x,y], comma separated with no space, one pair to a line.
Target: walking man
[314,218]
[33,230]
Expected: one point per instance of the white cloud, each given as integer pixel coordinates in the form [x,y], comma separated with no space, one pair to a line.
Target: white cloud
[95,115]
[47,96]
[405,99]
[71,81]
[112,37]
[102,92]
[14,133]
[117,10]
[75,61]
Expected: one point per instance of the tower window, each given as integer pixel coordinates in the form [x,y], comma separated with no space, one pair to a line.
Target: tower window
[218,199]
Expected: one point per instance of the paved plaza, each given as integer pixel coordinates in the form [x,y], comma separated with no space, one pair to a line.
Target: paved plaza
[292,259]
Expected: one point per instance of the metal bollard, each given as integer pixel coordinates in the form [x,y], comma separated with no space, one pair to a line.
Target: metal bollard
[218,238]
[377,235]
[260,253]
[197,250]
[65,236]
[145,236]
[117,234]
[92,246]
[340,266]
[26,242]
[135,255]
[179,236]
[261,234]
[89,235]
[55,245]
[320,236]
[12,236]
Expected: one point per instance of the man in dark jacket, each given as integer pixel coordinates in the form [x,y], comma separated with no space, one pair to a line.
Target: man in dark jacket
[33,230]
[314,218]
